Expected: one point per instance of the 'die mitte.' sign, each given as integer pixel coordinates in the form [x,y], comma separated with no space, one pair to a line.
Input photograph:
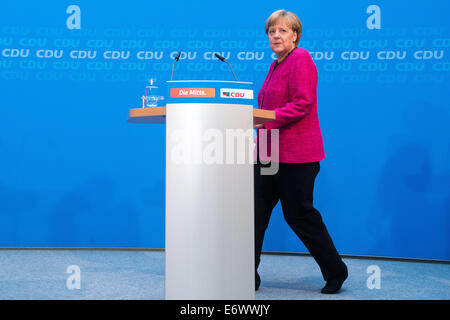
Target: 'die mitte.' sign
[192,92]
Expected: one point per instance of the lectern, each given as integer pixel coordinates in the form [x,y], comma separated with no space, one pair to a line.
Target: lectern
[209,237]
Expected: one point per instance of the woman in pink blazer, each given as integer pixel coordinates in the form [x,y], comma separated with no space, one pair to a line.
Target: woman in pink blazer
[290,89]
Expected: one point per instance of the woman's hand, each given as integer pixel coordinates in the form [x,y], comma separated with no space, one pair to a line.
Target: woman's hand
[258,126]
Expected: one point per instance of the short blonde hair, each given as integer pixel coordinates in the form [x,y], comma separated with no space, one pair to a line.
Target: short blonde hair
[289,18]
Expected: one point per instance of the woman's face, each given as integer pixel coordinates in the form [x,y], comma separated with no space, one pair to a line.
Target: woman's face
[281,38]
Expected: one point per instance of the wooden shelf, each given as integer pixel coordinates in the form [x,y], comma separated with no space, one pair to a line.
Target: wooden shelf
[158,115]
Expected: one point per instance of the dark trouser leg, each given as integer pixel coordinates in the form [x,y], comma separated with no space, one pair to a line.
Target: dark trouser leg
[296,185]
[266,197]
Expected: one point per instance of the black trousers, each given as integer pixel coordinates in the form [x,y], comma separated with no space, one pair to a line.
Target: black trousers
[293,185]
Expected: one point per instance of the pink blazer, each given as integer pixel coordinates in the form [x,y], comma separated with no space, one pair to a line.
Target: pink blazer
[291,91]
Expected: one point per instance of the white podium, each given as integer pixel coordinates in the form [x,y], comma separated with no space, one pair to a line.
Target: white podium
[209,238]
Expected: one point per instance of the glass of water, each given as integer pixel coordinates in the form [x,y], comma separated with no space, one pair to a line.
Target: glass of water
[153,93]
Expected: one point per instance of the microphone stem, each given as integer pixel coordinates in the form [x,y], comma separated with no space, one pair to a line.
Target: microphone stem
[173,68]
[231,70]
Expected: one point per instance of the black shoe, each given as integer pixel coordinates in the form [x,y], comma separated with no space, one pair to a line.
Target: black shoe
[257,281]
[335,284]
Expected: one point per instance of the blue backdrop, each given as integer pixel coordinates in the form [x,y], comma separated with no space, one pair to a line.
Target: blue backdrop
[74,173]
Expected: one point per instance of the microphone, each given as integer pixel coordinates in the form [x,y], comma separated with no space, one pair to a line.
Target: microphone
[176,59]
[224,60]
